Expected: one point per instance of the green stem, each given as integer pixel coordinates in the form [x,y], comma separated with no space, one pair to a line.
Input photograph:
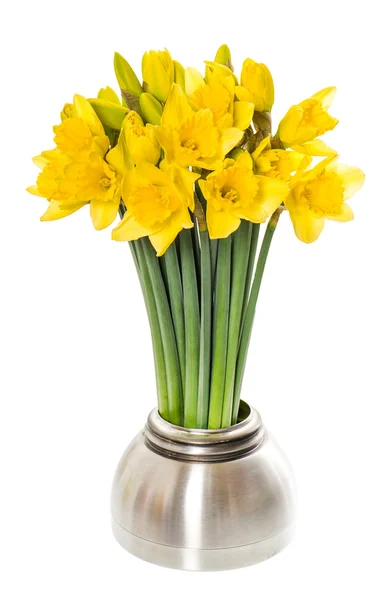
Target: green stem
[157,344]
[192,328]
[196,252]
[220,332]
[158,351]
[175,291]
[214,246]
[240,253]
[164,273]
[251,265]
[172,368]
[251,308]
[205,332]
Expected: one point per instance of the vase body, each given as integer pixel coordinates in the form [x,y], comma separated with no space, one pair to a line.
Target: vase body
[203,500]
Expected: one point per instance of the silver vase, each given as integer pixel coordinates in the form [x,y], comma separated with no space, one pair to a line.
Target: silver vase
[203,500]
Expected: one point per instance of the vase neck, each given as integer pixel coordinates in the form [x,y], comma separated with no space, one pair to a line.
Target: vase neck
[205,445]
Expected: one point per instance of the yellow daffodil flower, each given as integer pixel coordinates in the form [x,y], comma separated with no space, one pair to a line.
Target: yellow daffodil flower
[49,182]
[307,120]
[218,96]
[320,194]
[69,185]
[276,163]
[192,139]
[234,192]
[95,182]
[75,173]
[157,203]
[256,86]
[141,139]
[158,73]
[75,138]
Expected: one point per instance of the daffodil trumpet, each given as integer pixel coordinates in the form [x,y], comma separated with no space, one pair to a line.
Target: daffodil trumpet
[188,160]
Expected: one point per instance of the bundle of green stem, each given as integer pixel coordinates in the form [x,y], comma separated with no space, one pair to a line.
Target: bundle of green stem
[201,299]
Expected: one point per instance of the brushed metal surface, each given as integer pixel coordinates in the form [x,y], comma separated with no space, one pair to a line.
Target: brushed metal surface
[203,499]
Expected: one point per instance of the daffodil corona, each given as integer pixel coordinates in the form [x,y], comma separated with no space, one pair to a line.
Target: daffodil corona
[188,160]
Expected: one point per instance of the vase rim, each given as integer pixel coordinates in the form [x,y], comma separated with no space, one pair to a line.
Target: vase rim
[205,444]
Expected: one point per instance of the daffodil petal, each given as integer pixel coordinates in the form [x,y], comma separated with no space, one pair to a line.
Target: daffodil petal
[129,230]
[314,148]
[184,180]
[272,192]
[177,109]
[40,161]
[306,226]
[244,95]
[164,238]
[167,138]
[84,111]
[289,124]
[150,172]
[352,179]
[220,223]
[119,157]
[242,114]
[193,80]
[244,161]
[229,138]
[346,214]
[265,143]
[56,211]
[103,213]
[33,189]
[325,96]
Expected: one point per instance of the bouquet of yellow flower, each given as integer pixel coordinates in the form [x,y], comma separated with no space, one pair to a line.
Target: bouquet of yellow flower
[190,164]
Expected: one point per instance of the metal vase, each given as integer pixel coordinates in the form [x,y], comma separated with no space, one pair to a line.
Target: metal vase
[203,500]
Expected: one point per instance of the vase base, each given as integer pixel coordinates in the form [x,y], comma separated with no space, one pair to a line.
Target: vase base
[196,559]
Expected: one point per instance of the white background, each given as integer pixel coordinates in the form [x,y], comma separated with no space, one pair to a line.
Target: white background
[77,379]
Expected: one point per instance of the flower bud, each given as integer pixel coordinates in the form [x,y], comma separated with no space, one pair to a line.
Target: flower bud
[150,108]
[223,56]
[126,76]
[256,85]
[68,111]
[179,74]
[110,114]
[158,73]
[109,94]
